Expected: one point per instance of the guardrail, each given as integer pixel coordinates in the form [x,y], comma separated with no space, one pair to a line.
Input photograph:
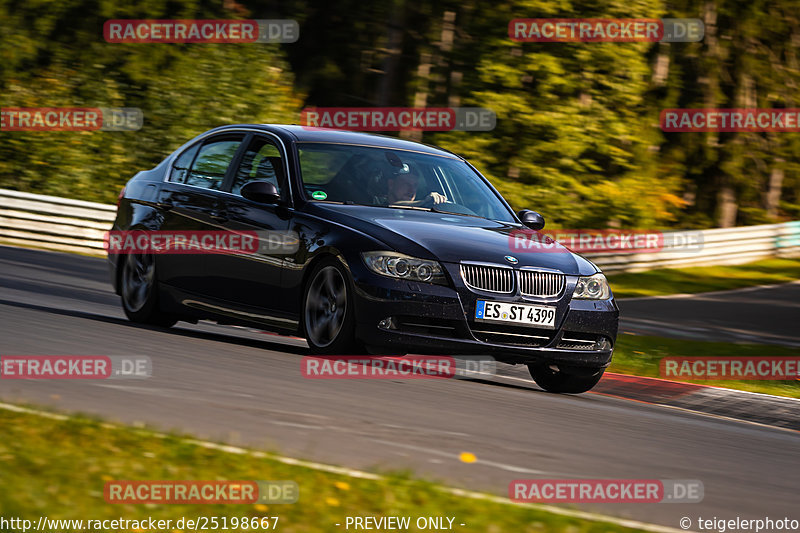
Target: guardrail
[54,223]
[724,246]
[63,224]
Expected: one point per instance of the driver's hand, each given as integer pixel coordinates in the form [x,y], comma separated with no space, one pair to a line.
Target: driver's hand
[437,198]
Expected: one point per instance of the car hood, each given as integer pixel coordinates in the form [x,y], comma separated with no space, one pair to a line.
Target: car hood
[455,238]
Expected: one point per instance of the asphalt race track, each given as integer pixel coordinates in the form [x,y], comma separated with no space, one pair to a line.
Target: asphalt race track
[245,387]
[769,315]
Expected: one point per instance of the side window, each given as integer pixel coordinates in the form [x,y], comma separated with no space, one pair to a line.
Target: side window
[262,161]
[212,163]
[180,167]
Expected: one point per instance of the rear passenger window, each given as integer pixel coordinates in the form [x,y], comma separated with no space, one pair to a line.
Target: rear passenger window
[212,163]
[180,168]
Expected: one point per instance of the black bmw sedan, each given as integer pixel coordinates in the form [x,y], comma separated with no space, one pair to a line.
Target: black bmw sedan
[383,245]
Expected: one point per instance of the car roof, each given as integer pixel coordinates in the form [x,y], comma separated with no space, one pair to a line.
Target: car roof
[325,135]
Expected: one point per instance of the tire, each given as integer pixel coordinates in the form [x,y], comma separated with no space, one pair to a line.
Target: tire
[563,382]
[328,320]
[139,293]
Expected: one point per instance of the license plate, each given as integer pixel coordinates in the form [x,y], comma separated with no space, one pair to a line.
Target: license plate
[520,314]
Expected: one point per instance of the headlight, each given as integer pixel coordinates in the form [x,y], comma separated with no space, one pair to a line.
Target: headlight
[592,288]
[401,266]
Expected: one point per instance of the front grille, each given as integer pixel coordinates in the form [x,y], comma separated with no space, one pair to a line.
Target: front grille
[500,279]
[488,278]
[541,284]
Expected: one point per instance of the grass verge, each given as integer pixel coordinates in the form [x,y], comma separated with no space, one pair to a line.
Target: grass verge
[704,279]
[640,356]
[57,468]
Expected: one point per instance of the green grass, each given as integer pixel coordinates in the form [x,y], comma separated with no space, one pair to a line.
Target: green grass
[640,356]
[57,468]
[704,279]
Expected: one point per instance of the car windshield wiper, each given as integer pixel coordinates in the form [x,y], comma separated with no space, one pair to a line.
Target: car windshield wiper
[438,209]
[395,206]
[434,209]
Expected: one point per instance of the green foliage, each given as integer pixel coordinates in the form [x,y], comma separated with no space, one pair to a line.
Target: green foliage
[58,58]
[569,138]
[747,60]
[577,133]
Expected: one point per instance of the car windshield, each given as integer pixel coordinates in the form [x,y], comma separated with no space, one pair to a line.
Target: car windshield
[396,178]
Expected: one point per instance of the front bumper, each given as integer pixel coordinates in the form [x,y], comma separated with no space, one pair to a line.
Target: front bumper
[435,319]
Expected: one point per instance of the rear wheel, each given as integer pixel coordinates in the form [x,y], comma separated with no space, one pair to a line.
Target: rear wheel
[139,292]
[328,314]
[560,381]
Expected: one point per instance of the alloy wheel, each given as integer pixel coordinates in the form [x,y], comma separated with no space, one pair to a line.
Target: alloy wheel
[137,280]
[326,306]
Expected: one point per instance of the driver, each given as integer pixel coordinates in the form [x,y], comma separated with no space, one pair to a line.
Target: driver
[402,190]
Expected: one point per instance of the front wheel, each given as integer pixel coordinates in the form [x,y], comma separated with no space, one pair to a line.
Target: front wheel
[328,314]
[139,291]
[560,381]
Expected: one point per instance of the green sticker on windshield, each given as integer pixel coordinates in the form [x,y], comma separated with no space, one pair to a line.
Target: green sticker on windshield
[319,195]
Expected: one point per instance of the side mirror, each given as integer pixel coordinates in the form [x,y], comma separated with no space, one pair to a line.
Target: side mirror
[263,192]
[532,219]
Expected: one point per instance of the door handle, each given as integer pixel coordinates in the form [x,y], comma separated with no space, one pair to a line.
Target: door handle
[219,216]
